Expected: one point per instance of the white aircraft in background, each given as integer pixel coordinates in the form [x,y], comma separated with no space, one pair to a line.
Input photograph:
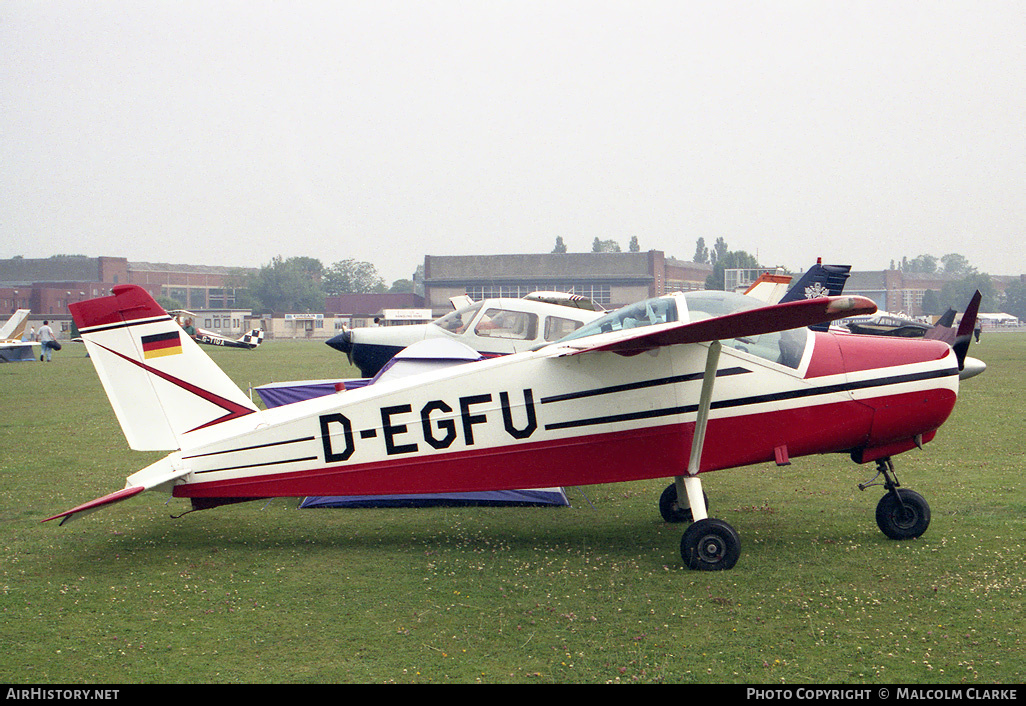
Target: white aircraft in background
[500,326]
[249,340]
[12,348]
[497,326]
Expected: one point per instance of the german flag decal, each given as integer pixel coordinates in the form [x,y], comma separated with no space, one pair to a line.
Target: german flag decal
[161,344]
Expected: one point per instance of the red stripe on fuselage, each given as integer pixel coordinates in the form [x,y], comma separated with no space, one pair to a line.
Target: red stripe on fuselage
[635,454]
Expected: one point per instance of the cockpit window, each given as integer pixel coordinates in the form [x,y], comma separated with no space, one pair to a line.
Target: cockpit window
[647,313]
[457,321]
[785,347]
[503,323]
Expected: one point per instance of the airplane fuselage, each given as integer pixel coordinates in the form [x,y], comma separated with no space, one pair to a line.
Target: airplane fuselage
[541,418]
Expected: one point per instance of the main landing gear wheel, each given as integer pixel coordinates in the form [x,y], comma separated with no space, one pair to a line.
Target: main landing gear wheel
[710,545]
[902,514]
[671,510]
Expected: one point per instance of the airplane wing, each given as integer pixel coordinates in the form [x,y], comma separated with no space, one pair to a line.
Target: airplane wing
[750,322]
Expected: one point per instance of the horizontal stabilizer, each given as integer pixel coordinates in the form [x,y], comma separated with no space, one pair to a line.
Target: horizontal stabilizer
[94,505]
[161,473]
[751,322]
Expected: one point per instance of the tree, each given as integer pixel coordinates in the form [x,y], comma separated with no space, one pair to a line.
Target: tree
[402,286]
[604,245]
[957,293]
[719,251]
[729,260]
[634,246]
[169,303]
[924,264]
[701,252]
[352,277]
[957,265]
[310,265]
[931,303]
[1015,299]
[287,286]
[560,245]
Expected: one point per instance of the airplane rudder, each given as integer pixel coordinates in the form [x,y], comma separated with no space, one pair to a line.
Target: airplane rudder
[159,381]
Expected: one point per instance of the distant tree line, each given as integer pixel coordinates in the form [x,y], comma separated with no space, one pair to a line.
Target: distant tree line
[300,284]
[721,257]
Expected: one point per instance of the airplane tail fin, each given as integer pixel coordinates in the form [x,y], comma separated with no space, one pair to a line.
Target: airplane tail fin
[14,328]
[253,338]
[158,380]
[959,338]
[819,281]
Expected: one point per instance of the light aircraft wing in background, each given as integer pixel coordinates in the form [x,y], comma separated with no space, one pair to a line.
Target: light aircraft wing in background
[753,322]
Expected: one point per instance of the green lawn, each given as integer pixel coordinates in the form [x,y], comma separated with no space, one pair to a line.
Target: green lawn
[268,593]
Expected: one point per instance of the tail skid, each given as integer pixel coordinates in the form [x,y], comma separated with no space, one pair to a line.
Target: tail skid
[159,382]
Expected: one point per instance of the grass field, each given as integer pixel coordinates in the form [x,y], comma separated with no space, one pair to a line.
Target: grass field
[268,593]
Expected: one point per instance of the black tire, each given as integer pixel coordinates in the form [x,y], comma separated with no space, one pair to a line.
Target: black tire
[905,520]
[710,545]
[671,511]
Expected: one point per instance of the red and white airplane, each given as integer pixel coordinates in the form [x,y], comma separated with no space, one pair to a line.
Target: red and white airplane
[674,386]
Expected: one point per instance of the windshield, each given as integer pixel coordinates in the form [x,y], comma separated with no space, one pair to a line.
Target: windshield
[782,347]
[457,321]
[645,313]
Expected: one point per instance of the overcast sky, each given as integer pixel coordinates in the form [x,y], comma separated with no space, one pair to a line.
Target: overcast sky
[231,132]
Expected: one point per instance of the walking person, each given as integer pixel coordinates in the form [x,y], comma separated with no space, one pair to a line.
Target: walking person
[47,342]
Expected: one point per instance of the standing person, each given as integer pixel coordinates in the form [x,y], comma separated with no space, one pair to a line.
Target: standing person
[47,342]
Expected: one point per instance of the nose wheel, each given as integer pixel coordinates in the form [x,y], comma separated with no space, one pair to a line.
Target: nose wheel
[901,513]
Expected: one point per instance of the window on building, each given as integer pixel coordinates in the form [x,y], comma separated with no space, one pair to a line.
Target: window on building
[598,293]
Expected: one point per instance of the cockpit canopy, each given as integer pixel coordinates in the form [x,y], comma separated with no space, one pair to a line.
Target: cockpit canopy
[784,347]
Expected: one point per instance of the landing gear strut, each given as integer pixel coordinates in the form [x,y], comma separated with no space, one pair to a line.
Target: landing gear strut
[675,509]
[708,544]
[901,513]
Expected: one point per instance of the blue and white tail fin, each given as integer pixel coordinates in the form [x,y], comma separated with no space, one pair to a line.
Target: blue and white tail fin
[161,384]
[819,281]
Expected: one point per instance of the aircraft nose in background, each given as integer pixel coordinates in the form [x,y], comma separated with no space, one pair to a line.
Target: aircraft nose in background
[343,343]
